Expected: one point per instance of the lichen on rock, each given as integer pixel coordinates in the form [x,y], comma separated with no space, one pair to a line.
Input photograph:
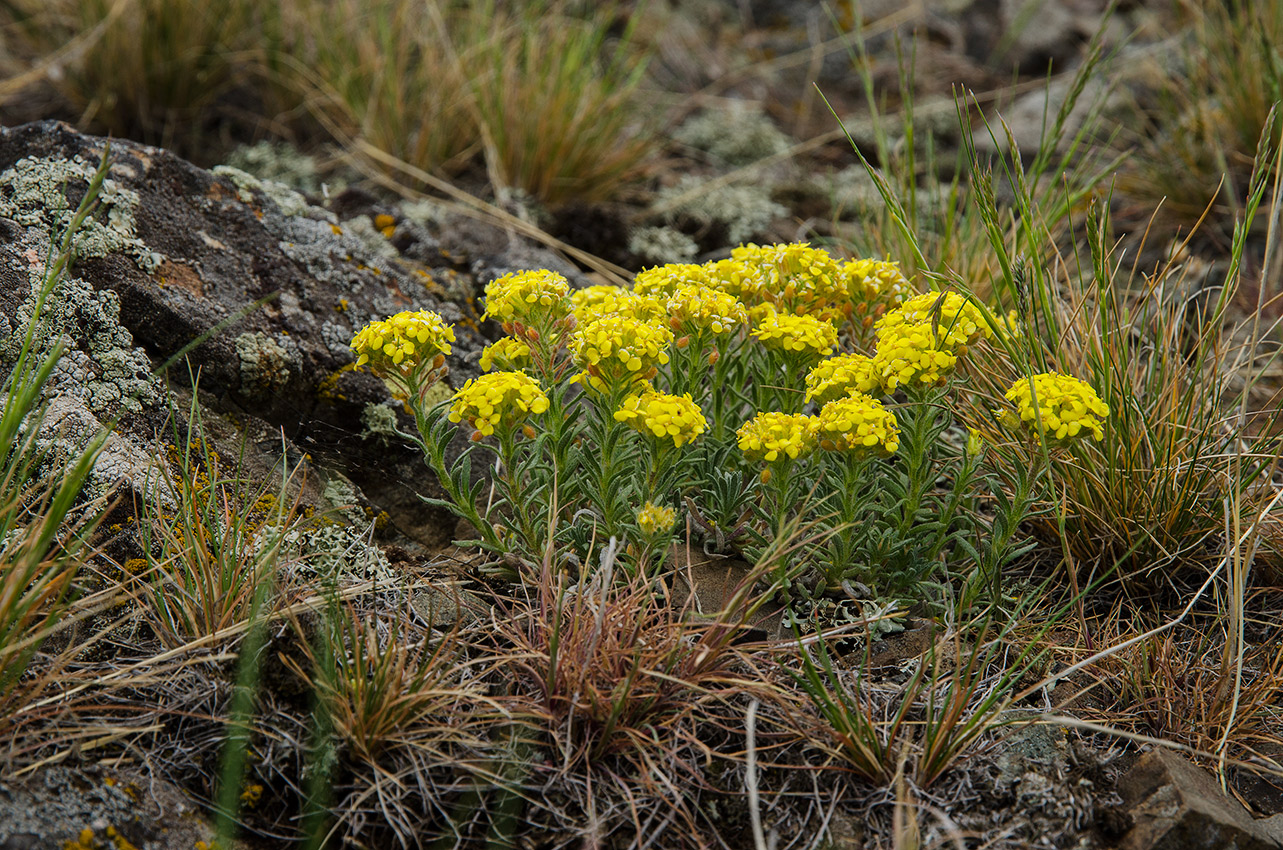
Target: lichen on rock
[33,192]
[266,365]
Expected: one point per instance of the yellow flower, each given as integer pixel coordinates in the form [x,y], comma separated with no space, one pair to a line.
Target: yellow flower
[839,376]
[858,423]
[869,281]
[768,435]
[743,280]
[662,415]
[593,302]
[618,348]
[795,334]
[798,277]
[527,297]
[1066,406]
[699,308]
[498,399]
[401,342]
[665,280]
[508,354]
[954,319]
[909,353]
[653,519]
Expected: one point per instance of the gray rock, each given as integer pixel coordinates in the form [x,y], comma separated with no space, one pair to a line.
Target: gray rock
[1175,805]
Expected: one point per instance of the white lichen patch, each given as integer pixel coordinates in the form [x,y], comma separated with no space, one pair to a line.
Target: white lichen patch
[33,192]
[744,210]
[266,365]
[736,135]
[337,550]
[372,239]
[659,245]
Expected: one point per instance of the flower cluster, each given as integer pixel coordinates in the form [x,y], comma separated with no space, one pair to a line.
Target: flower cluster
[653,519]
[402,342]
[1061,406]
[949,315]
[768,435]
[840,376]
[794,334]
[702,308]
[527,297]
[593,302]
[664,416]
[875,280]
[799,278]
[858,423]
[508,354]
[909,353]
[665,280]
[499,399]
[734,277]
[617,347]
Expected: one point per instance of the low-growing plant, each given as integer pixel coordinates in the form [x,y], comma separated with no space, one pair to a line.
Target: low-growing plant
[615,408]
[212,539]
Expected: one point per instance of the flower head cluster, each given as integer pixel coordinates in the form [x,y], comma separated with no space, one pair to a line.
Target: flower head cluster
[702,308]
[734,277]
[508,354]
[911,353]
[1065,406]
[528,297]
[665,280]
[876,280]
[664,416]
[794,334]
[617,347]
[951,316]
[799,277]
[858,423]
[769,435]
[653,519]
[404,341]
[499,399]
[840,376]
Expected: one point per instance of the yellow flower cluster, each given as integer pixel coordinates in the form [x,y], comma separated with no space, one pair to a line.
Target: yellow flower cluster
[909,353]
[403,341]
[798,277]
[653,519]
[794,334]
[665,280]
[527,297]
[702,308]
[1066,406]
[840,376]
[664,416]
[594,302]
[621,347]
[507,353]
[952,316]
[875,280]
[858,423]
[498,399]
[737,278]
[768,435]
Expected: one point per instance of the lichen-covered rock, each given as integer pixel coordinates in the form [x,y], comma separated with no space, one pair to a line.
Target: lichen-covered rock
[259,292]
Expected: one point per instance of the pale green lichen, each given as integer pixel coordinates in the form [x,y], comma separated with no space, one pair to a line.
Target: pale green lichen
[287,200]
[372,239]
[659,245]
[277,162]
[265,364]
[379,423]
[33,192]
[744,210]
[101,366]
[736,135]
